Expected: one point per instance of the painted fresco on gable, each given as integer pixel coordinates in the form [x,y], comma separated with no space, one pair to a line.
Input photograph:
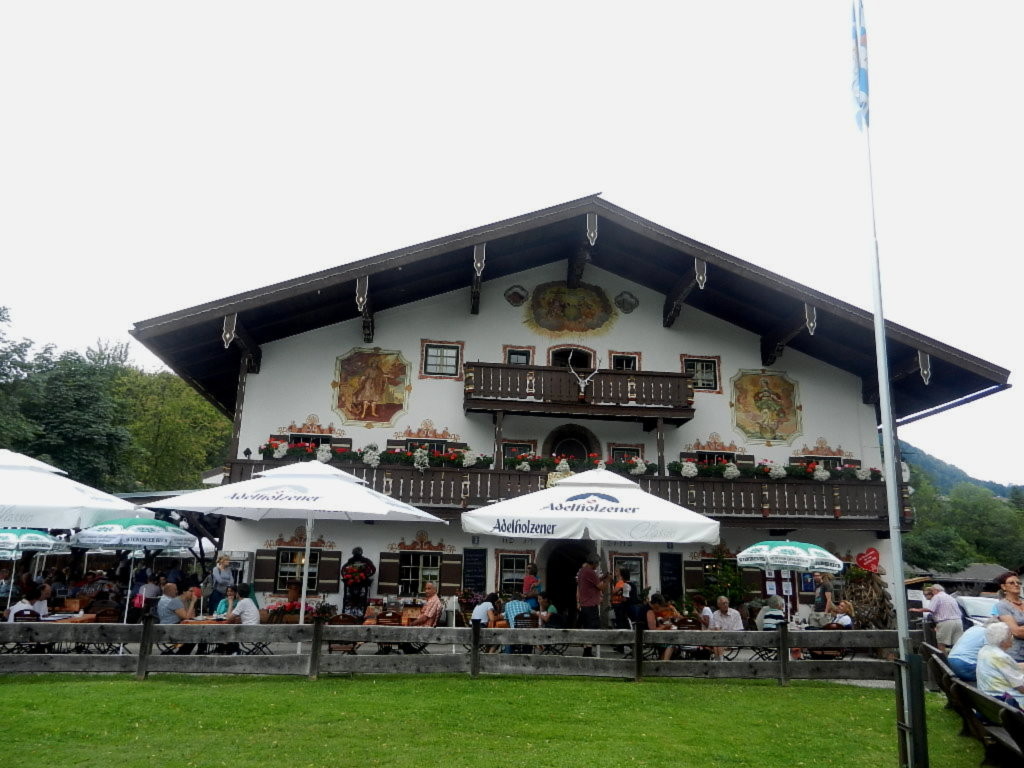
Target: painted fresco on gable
[766,406]
[554,309]
[371,386]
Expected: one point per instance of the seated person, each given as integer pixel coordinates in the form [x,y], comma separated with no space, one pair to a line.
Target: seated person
[27,603]
[773,615]
[227,605]
[486,612]
[660,616]
[998,674]
[963,656]
[724,619]
[547,614]
[514,607]
[430,614]
[244,611]
[844,614]
[172,609]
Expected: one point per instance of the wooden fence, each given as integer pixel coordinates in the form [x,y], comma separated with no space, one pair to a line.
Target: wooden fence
[136,649]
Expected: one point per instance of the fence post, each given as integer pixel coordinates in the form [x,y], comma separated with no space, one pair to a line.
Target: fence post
[783,646]
[314,650]
[145,647]
[638,652]
[474,650]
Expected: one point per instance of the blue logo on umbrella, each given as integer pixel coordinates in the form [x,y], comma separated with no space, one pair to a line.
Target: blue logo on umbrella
[604,496]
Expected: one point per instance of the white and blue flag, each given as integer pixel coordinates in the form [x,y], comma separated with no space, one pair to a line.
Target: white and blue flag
[860,64]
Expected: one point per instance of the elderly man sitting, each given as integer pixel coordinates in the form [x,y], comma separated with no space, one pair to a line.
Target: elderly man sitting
[430,614]
[725,619]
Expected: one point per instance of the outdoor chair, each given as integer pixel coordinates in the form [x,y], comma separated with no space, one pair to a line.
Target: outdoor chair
[27,615]
[342,619]
[388,619]
[524,621]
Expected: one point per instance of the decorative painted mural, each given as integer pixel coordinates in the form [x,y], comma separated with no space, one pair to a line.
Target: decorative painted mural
[427,429]
[298,539]
[554,309]
[312,426]
[421,543]
[822,448]
[766,406]
[371,386]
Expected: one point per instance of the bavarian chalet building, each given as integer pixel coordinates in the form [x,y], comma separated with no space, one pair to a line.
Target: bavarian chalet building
[583,331]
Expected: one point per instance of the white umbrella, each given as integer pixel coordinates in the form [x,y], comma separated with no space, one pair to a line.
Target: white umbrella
[14,541]
[597,504]
[789,555]
[34,494]
[310,490]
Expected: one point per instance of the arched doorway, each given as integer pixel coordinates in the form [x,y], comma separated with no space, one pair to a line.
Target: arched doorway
[564,561]
[571,440]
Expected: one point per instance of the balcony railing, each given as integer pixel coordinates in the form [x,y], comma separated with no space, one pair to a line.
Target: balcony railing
[605,394]
[790,502]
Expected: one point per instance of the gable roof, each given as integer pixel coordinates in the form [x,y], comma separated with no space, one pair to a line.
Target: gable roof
[739,292]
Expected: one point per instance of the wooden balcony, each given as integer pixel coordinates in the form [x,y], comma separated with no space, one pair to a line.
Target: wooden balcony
[747,502]
[638,396]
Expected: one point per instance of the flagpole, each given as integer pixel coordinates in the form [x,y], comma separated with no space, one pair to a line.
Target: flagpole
[891,466]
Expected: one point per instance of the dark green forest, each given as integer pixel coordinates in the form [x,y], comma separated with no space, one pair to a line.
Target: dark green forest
[104,421]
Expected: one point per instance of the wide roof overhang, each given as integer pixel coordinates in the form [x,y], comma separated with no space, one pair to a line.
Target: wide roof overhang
[192,344]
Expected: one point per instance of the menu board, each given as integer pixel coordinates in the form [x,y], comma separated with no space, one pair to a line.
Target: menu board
[671,575]
[474,570]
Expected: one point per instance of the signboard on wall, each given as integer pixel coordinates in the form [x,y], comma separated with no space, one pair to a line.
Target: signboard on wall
[474,570]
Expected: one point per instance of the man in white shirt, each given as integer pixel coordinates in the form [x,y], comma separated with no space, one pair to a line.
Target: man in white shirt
[725,619]
[244,612]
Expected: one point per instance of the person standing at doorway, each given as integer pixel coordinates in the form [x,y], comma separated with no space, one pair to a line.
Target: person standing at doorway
[590,587]
[823,605]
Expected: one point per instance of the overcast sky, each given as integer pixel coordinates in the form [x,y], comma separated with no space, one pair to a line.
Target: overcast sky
[156,156]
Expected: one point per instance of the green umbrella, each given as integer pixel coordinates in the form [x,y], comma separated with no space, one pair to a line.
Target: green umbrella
[133,533]
[789,555]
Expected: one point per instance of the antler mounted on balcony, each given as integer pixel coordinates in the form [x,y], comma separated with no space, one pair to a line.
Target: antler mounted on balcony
[582,381]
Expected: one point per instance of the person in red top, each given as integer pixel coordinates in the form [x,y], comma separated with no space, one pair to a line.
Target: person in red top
[590,587]
[531,586]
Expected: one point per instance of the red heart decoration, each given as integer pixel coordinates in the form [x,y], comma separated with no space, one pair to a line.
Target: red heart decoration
[868,559]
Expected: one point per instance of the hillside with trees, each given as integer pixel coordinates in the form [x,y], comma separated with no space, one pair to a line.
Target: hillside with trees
[944,476]
[104,421]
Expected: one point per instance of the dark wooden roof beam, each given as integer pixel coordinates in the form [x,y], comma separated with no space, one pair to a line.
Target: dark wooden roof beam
[919,362]
[364,307]
[774,342]
[233,332]
[479,260]
[675,298]
[582,255]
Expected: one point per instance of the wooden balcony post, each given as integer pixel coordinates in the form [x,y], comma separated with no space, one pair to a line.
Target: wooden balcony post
[661,446]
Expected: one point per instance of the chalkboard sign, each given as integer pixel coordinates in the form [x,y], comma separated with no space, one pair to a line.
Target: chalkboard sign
[671,572]
[474,570]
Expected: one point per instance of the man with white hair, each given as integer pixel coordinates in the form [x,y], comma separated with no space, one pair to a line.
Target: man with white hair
[998,674]
[947,617]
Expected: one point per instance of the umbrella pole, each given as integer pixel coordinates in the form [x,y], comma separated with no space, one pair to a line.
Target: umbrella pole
[305,575]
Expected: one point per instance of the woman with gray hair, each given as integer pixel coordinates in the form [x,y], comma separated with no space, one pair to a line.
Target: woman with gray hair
[998,674]
[775,615]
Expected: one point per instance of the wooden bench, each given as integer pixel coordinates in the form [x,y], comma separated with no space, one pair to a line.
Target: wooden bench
[985,720]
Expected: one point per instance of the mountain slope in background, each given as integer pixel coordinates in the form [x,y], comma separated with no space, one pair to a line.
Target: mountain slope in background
[946,476]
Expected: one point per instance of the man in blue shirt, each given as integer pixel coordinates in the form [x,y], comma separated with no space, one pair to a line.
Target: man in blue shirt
[513,608]
[963,656]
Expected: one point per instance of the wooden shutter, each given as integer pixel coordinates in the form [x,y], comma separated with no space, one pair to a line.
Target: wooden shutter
[328,578]
[264,572]
[451,575]
[387,574]
[745,460]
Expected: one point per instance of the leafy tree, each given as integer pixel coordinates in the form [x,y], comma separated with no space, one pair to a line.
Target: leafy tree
[937,548]
[78,424]
[1017,497]
[176,435]
[15,364]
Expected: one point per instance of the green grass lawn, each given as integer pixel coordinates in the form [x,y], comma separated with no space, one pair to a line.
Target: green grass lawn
[453,721]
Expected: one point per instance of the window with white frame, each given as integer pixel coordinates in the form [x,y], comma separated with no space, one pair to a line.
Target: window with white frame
[518,356]
[625,361]
[415,569]
[704,371]
[289,568]
[511,572]
[442,359]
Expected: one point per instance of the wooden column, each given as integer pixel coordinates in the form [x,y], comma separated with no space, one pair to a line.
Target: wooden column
[499,419]
[236,427]
[660,433]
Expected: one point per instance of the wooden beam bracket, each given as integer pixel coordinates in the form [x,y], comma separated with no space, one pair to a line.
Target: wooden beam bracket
[479,261]
[774,342]
[233,332]
[364,307]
